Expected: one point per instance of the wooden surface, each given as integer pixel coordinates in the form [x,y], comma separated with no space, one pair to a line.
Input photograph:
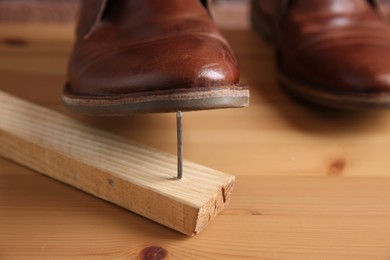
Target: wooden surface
[311,183]
[116,169]
[46,11]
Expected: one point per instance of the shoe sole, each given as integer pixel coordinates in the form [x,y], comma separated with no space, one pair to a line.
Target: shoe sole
[334,100]
[161,101]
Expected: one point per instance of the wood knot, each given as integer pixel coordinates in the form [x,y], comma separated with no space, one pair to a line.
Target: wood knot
[336,167]
[153,253]
[111,182]
[255,213]
[18,42]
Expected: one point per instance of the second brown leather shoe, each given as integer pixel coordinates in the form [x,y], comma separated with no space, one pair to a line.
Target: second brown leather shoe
[330,52]
[150,56]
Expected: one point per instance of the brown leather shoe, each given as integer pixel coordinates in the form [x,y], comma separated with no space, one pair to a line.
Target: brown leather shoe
[331,52]
[150,56]
[384,8]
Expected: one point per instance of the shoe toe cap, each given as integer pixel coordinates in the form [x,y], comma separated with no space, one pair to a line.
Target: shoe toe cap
[166,64]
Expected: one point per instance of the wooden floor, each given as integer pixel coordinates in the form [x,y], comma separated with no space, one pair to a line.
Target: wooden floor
[311,183]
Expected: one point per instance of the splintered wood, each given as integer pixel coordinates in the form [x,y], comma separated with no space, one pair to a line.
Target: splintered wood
[133,176]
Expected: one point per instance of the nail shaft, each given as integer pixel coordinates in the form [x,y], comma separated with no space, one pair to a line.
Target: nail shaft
[179,145]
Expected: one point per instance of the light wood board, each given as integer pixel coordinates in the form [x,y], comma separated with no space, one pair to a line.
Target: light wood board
[111,167]
[311,183]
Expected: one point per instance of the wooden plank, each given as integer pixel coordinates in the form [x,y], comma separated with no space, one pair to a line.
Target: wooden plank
[110,167]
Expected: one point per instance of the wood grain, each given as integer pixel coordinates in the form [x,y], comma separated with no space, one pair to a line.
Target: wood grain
[269,218]
[115,169]
[311,183]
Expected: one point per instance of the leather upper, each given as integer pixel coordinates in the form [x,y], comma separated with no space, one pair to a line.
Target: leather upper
[341,46]
[384,8]
[91,12]
[148,45]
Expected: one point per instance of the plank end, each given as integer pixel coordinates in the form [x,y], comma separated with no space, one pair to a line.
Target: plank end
[215,205]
